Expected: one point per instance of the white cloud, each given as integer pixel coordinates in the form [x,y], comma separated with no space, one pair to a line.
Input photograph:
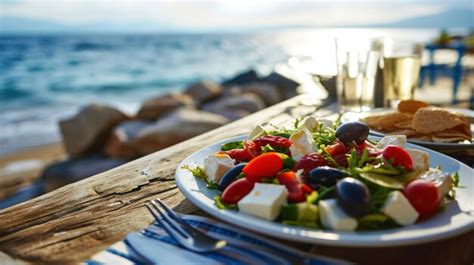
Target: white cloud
[218,14]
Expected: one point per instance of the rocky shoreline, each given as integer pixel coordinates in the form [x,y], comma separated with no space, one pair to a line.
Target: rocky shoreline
[100,137]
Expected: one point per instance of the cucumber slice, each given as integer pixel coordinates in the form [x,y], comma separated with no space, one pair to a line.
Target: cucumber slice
[383,180]
[299,212]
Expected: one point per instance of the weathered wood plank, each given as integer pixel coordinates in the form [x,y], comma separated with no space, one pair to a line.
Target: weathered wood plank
[72,223]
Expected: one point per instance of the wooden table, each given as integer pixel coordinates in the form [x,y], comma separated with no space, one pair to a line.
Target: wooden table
[74,222]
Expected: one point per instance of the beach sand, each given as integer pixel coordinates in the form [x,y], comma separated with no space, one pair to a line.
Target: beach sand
[23,167]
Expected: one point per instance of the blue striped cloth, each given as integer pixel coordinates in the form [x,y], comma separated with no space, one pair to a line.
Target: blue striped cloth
[157,247]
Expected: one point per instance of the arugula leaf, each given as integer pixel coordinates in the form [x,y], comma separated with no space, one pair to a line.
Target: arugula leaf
[364,159]
[212,185]
[455,178]
[222,205]
[353,160]
[376,221]
[452,193]
[232,145]
[198,172]
[325,193]
[296,123]
[267,148]
[378,195]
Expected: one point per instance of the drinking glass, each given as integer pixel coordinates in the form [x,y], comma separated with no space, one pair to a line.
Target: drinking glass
[401,69]
[357,65]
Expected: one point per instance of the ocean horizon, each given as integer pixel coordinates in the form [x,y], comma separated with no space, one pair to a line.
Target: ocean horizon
[48,77]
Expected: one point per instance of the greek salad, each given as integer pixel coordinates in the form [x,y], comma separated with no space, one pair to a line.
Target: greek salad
[321,174]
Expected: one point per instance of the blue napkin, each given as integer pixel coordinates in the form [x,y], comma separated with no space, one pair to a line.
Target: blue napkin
[154,246]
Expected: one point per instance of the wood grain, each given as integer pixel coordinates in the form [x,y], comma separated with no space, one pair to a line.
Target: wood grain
[76,221]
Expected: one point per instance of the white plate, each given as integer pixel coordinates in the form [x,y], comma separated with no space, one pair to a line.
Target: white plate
[356,116]
[457,217]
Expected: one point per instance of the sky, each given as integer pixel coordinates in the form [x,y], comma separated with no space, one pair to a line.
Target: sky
[225,14]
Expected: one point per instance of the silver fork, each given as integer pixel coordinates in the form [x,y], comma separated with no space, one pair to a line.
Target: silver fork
[196,240]
[186,235]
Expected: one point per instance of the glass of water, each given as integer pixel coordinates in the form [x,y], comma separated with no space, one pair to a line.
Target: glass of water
[358,64]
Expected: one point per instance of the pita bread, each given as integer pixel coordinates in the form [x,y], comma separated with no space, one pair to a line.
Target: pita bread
[387,122]
[404,124]
[411,105]
[432,119]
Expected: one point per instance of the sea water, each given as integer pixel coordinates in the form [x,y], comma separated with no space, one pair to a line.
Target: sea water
[45,78]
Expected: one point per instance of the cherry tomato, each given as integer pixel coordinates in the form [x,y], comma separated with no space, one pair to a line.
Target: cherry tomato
[424,196]
[294,187]
[336,149]
[308,162]
[273,141]
[399,156]
[263,166]
[237,190]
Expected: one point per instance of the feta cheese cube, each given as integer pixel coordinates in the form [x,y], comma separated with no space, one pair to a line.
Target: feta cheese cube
[333,217]
[264,201]
[399,209]
[257,132]
[421,159]
[216,165]
[302,144]
[442,181]
[398,140]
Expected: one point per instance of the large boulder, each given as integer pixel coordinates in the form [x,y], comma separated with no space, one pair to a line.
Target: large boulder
[69,171]
[270,94]
[87,131]
[155,107]
[286,85]
[203,91]
[174,128]
[243,78]
[236,107]
[119,142]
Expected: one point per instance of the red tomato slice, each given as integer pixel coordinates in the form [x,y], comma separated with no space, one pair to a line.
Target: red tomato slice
[424,196]
[263,166]
[399,156]
[294,187]
[237,190]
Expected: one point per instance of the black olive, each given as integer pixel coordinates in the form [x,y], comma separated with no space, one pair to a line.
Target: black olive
[230,176]
[353,196]
[352,132]
[326,176]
